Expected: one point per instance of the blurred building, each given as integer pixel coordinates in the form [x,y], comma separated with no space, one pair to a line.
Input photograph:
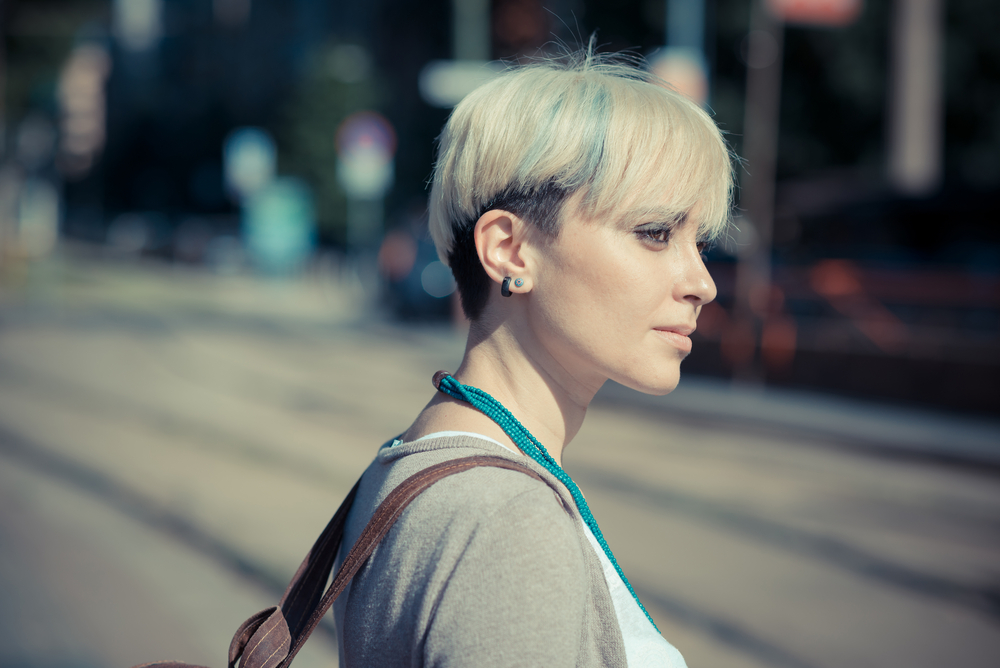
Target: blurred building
[885,255]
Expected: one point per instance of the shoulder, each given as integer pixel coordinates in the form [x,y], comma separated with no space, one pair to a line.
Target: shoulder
[481,501]
[486,567]
[487,505]
[476,489]
[486,491]
[503,569]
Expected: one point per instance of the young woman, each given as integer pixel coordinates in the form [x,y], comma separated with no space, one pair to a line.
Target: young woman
[572,200]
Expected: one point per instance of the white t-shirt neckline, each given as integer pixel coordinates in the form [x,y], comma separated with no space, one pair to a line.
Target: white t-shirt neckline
[445,434]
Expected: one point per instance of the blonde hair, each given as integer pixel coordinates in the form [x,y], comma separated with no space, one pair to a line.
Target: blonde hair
[584,122]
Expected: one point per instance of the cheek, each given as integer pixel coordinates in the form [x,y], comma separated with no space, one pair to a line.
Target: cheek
[599,293]
[625,283]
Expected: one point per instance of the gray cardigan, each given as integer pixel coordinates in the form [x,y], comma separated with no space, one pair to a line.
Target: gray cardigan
[487,567]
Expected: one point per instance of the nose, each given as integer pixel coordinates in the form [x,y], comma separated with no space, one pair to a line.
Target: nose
[695,284]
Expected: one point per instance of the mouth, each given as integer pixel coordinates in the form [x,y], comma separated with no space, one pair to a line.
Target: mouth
[679,337]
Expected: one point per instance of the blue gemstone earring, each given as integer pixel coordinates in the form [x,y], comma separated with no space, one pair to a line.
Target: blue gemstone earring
[518,282]
[505,286]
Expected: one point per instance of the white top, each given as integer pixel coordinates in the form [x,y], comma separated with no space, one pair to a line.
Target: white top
[643,645]
[444,434]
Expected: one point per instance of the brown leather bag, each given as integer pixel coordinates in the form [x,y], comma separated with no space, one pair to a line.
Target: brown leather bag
[272,637]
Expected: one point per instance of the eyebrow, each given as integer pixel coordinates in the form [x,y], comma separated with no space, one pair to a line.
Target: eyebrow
[656,215]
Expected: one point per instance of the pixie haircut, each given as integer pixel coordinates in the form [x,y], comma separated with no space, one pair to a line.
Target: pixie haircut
[537,134]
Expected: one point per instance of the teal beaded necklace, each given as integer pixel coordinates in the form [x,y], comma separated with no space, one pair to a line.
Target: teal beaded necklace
[530,445]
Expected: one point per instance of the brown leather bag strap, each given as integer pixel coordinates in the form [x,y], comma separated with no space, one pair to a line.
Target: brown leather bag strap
[306,586]
[303,587]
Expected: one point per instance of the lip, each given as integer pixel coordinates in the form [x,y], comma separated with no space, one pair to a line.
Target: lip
[679,337]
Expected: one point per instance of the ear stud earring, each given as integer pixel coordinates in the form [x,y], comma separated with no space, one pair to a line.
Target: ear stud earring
[505,286]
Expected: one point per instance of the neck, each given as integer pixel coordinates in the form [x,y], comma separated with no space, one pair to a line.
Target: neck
[549,402]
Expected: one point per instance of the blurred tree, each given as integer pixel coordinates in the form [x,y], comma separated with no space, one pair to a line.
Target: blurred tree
[339,80]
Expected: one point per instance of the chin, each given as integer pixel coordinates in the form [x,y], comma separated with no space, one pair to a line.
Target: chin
[660,391]
[657,385]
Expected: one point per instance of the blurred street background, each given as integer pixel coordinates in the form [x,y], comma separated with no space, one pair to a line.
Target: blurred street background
[218,298]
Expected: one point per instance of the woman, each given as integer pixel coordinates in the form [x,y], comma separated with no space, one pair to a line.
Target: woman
[572,201]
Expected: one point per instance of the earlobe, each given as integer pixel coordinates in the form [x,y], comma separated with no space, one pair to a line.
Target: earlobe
[505,286]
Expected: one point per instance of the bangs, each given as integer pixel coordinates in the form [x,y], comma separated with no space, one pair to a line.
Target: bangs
[662,148]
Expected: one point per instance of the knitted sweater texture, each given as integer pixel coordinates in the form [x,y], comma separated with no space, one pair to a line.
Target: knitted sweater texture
[487,567]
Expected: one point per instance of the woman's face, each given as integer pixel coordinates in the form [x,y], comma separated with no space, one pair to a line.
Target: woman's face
[619,298]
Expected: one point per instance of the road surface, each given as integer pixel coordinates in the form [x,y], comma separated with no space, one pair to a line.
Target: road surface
[152,418]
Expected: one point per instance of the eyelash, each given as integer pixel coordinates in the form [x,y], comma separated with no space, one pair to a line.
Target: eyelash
[654,235]
[661,236]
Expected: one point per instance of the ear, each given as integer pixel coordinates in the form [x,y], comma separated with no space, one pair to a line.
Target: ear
[501,242]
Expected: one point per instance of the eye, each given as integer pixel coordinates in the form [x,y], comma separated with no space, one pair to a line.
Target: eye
[703,248]
[659,235]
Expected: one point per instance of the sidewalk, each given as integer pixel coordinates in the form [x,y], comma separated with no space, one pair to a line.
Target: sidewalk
[849,422]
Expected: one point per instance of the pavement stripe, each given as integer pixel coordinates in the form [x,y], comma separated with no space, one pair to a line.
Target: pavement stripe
[147,512]
[184,430]
[812,545]
[721,630]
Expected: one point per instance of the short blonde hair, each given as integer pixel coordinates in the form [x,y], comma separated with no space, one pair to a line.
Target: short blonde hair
[584,122]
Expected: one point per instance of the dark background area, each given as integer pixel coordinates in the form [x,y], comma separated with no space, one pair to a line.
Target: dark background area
[929,265]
